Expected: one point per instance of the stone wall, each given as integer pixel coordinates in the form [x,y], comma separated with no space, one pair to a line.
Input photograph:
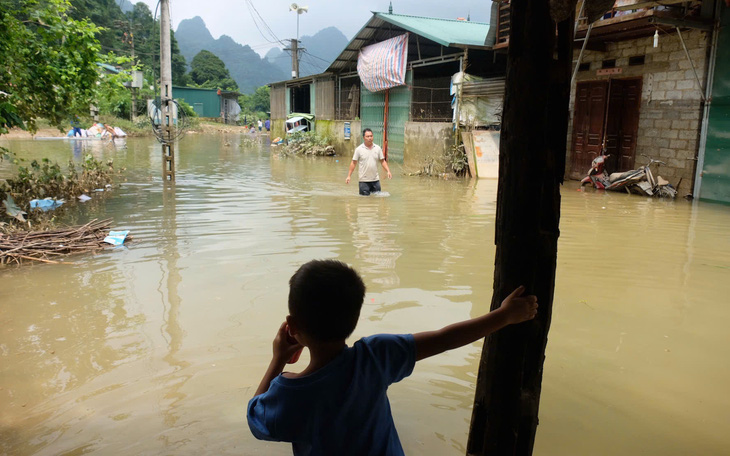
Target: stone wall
[671,99]
[427,147]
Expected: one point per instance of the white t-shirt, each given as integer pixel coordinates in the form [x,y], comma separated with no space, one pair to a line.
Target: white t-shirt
[367,161]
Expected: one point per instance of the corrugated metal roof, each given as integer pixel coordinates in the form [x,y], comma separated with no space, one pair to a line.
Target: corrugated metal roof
[446,32]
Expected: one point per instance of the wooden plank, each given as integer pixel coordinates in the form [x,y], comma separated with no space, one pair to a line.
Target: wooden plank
[468,141]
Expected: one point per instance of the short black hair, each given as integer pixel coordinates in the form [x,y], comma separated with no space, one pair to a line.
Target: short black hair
[325,298]
[367,130]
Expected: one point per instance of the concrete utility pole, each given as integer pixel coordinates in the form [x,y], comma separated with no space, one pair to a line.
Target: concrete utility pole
[294,58]
[299,10]
[134,62]
[167,108]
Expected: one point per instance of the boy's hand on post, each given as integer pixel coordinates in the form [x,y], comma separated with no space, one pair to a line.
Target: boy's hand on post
[283,348]
[518,308]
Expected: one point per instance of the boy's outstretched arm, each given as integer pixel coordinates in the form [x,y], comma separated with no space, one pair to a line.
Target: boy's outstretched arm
[514,309]
[283,351]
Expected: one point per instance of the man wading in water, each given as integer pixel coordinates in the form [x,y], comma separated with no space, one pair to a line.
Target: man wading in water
[367,156]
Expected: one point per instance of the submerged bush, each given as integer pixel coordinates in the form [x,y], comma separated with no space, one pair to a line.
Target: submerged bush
[41,179]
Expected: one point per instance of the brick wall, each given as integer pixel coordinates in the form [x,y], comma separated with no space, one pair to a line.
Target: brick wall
[671,100]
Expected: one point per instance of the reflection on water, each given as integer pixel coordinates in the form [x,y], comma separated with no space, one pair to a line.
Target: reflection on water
[155,347]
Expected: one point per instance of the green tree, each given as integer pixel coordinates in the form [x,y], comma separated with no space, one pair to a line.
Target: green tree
[209,71]
[105,14]
[179,65]
[112,96]
[49,62]
[258,103]
[145,30]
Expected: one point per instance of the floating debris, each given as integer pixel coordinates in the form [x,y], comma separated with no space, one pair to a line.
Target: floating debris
[50,246]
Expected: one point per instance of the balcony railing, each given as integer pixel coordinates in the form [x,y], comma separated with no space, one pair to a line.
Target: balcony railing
[622,11]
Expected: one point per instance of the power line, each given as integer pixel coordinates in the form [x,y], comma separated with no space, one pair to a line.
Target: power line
[252,9]
[328,62]
[314,64]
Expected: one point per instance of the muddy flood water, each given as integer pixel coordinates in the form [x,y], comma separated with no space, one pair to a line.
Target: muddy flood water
[155,347]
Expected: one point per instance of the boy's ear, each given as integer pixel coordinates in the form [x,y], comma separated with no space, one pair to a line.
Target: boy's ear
[291,322]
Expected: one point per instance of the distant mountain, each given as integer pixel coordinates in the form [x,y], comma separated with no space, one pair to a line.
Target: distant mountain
[319,52]
[246,67]
[125,5]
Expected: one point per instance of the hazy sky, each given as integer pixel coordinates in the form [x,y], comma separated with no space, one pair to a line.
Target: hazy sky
[234,17]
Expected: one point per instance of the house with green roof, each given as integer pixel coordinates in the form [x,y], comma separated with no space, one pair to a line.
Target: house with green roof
[418,117]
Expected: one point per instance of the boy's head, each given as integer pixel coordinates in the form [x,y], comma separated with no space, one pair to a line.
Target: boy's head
[325,298]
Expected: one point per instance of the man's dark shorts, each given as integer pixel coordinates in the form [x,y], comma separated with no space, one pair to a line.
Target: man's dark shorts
[369,187]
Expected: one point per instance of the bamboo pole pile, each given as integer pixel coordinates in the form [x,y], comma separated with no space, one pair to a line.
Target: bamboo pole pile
[50,246]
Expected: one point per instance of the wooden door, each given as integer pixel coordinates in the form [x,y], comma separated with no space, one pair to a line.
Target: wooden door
[622,123]
[588,124]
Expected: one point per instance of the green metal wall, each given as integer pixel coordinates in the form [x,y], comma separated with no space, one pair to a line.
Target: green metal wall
[205,102]
[715,183]
[371,112]
[372,106]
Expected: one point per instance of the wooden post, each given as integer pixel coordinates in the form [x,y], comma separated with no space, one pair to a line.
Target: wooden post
[531,168]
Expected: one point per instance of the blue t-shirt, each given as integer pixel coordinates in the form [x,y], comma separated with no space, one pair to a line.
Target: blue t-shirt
[343,407]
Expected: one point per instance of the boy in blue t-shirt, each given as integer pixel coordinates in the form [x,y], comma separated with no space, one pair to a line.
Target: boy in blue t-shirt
[338,404]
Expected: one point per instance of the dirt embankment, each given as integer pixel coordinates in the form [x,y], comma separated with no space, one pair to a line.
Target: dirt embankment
[213,127]
[17,133]
[51,132]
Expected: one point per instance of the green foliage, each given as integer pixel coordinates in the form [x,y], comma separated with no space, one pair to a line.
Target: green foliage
[186,108]
[41,179]
[179,65]
[104,14]
[112,97]
[208,71]
[9,117]
[136,27]
[49,62]
[257,104]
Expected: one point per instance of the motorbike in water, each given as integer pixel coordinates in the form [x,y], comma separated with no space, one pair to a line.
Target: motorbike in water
[640,181]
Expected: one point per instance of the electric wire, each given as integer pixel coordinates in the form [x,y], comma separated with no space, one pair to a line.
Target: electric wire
[252,9]
[328,62]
